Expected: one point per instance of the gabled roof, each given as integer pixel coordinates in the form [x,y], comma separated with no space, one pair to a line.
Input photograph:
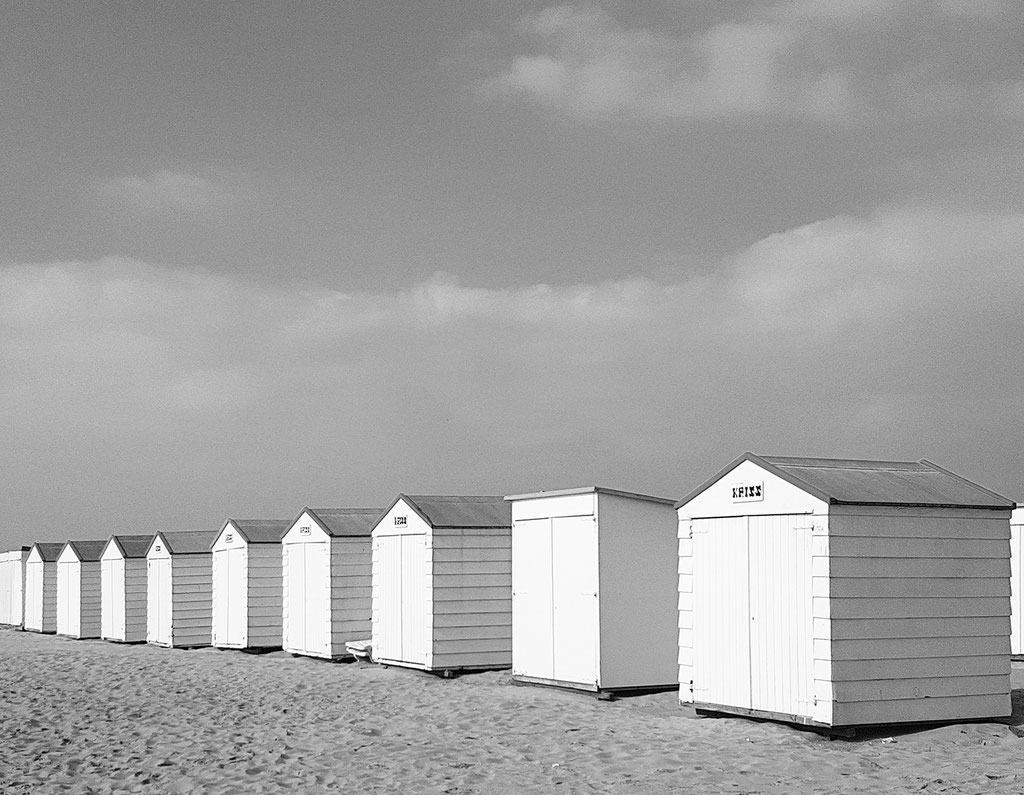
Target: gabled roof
[188,542]
[132,546]
[590,490]
[260,531]
[343,521]
[841,481]
[87,551]
[49,552]
[459,512]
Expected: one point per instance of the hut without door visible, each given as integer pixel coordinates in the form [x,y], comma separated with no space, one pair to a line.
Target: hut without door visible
[179,589]
[12,586]
[123,580]
[844,593]
[79,596]
[247,584]
[594,589]
[326,580]
[442,583]
[41,587]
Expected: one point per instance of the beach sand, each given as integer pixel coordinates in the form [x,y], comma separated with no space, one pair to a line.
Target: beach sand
[94,717]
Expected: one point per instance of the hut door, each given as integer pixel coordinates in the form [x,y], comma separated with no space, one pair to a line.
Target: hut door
[721,613]
[112,577]
[158,609]
[533,652]
[33,596]
[238,598]
[574,599]
[781,615]
[403,617]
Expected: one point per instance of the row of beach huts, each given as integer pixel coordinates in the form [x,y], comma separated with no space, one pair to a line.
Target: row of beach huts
[833,593]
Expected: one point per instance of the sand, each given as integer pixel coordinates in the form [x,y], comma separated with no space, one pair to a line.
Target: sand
[90,716]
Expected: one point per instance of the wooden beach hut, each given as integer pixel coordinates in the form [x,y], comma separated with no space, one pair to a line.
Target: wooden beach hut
[594,586]
[41,587]
[843,593]
[1017,581]
[247,584]
[326,580]
[179,589]
[79,596]
[12,586]
[435,607]
[123,581]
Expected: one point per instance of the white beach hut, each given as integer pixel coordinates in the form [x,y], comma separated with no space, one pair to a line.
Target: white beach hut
[844,593]
[594,587]
[1017,581]
[247,584]
[123,579]
[12,586]
[435,607]
[326,580]
[41,587]
[79,596]
[179,589]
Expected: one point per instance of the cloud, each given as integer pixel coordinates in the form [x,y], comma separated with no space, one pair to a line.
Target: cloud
[164,190]
[186,393]
[834,61]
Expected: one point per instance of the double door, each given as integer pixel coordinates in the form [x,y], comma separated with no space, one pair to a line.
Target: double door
[307,628]
[231,596]
[158,601]
[555,613]
[753,620]
[112,599]
[402,621]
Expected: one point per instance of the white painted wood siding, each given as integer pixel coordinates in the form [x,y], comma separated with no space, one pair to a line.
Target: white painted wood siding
[924,634]
[351,592]
[1016,583]
[471,599]
[40,595]
[191,599]
[638,589]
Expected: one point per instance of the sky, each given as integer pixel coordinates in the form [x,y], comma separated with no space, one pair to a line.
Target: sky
[260,256]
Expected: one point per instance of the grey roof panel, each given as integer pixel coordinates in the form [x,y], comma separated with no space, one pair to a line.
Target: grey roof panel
[869,482]
[189,542]
[88,551]
[133,546]
[353,522]
[462,512]
[261,531]
[49,551]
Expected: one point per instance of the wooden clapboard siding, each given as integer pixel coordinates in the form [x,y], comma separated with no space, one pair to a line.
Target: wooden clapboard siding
[475,601]
[91,604]
[134,600]
[265,605]
[191,599]
[924,634]
[351,591]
